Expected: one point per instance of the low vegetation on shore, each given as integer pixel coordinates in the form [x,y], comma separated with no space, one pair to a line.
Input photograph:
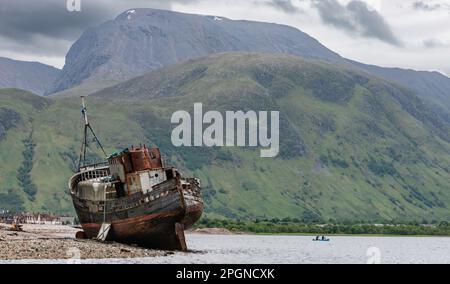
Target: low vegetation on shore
[293,226]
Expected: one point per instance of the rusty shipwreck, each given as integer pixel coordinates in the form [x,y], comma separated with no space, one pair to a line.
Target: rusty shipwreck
[133,198]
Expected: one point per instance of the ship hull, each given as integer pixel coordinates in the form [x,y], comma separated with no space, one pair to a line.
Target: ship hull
[154,220]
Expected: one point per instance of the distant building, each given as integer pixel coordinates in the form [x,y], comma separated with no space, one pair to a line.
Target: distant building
[67,220]
[35,218]
[39,218]
[6,217]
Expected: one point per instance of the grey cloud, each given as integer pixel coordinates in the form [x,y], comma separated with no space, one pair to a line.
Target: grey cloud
[335,14]
[284,5]
[429,7]
[434,43]
[25,24]
[356,17]
[39,45]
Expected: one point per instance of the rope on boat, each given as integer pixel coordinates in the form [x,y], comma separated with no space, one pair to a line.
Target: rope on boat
[84,146]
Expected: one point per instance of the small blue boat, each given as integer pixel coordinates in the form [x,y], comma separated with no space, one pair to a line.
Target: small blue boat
[321,240]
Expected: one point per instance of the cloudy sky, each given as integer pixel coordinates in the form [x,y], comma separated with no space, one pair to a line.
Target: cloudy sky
[399,33]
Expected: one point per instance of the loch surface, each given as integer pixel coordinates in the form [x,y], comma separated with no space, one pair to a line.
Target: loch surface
[256,249]
[249,249]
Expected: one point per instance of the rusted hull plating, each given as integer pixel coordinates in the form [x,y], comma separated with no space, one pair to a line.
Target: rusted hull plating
[154,220]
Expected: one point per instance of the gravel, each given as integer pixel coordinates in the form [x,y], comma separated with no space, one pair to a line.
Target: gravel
[57,242]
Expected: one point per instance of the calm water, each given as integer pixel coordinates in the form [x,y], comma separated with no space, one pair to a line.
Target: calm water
[297,250]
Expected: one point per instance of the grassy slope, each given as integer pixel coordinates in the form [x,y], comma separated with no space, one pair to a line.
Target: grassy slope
[352,148]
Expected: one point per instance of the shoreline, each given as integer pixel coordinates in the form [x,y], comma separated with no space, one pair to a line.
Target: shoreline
[348,235]
[55,242]
[226,232]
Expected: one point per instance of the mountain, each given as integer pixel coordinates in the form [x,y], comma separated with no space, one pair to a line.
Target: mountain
[148,39]
[353,146]
[141,40]
[31,76]
[430,86]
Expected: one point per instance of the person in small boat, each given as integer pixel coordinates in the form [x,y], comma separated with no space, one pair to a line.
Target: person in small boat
[323,238]
[317,238]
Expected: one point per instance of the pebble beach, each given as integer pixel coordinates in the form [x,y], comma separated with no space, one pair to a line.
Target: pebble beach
[53,242]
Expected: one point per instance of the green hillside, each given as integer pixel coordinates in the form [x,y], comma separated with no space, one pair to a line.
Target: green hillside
[353,147]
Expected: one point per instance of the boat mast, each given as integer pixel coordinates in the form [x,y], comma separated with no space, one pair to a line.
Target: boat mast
[87,126]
